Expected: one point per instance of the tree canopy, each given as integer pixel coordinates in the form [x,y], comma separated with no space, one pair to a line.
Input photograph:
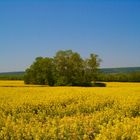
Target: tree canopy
[65,68]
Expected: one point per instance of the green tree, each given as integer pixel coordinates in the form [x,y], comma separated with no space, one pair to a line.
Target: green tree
[68,66]
[40,72]
[91,67]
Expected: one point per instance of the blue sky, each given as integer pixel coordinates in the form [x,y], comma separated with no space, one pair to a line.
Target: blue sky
[31,28]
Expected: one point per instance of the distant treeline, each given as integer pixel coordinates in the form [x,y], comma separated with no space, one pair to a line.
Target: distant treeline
[120,77]
[12,76]
[102,76]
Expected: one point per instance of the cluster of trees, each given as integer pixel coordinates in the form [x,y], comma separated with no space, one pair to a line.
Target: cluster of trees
[121,77]
[65,68]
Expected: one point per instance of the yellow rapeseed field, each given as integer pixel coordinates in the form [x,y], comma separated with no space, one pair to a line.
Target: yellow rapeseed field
[69,113]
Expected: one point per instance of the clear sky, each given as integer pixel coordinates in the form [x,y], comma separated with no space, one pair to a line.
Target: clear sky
[31,28]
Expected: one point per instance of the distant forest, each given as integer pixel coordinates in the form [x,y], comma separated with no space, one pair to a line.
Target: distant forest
[127,74]
[12,75]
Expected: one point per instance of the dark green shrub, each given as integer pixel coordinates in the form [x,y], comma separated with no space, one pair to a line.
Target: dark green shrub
[98,85]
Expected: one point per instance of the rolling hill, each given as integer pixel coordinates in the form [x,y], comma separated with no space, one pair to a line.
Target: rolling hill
[120,70]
